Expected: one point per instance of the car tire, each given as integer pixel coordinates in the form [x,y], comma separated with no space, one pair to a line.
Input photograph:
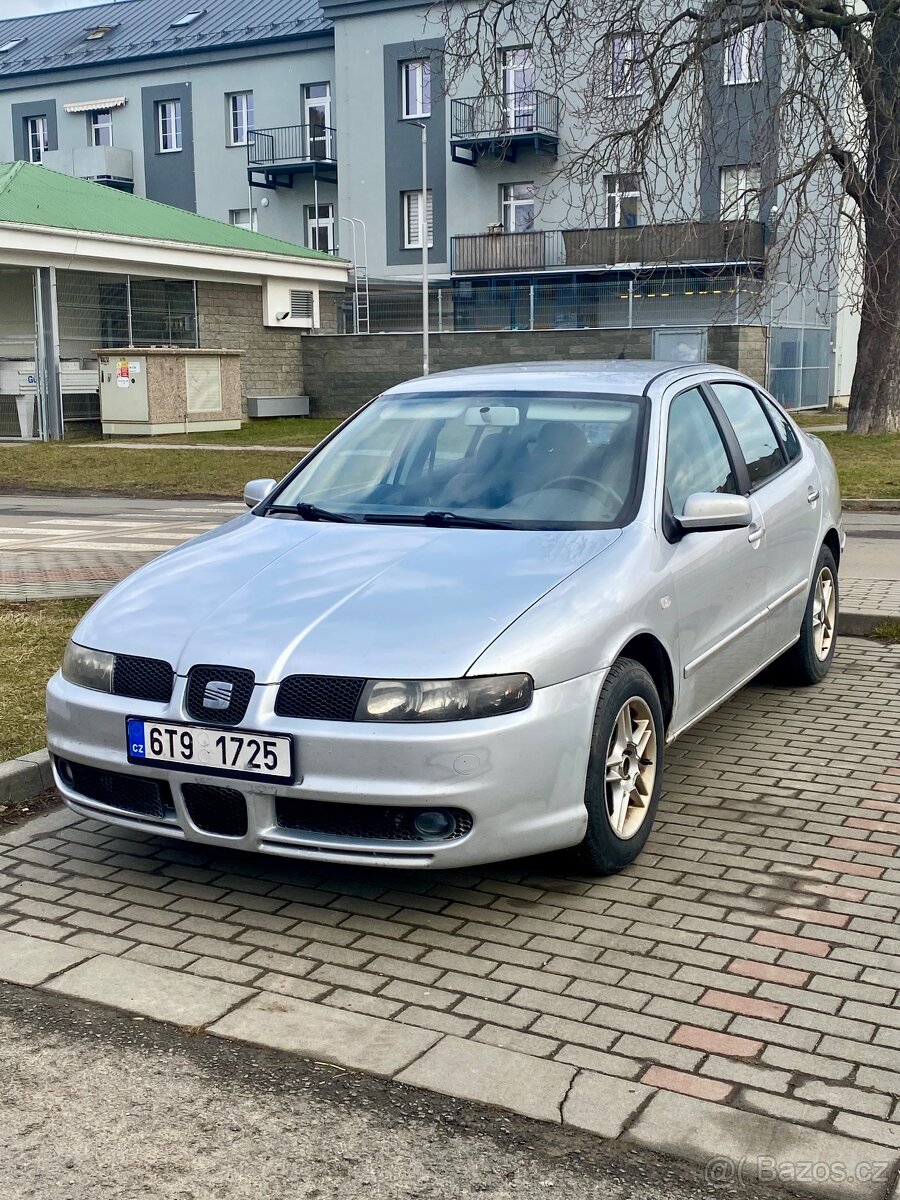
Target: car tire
[624,776]
[809,660]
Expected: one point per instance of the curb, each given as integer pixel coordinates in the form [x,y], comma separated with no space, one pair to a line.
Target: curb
[24,777]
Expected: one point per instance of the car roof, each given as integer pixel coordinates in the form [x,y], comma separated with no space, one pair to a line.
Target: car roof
[628,377]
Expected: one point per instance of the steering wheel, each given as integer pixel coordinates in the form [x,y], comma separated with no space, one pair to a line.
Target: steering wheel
[582,483]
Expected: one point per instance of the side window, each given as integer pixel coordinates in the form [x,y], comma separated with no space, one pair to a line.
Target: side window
[756,437]
[786,430]
[696,459]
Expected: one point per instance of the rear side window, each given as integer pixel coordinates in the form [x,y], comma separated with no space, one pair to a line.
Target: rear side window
[756,437]
[696,459]
[786,430]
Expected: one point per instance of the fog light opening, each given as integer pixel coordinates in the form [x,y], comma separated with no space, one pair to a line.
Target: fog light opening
[434,824]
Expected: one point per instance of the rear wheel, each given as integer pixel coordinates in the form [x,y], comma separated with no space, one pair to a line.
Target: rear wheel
[625,771]
[809,661]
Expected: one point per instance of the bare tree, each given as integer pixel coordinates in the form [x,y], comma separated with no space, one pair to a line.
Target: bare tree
[816,106]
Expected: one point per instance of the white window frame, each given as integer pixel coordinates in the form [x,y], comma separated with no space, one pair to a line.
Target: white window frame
[510,204]
[619,188]
[626,67]
[240,118]
[415,80]
[250,225]
[739,193]
[412,219]
[37,137]
[519,99]
[168,126]
[319,145]
[743,57]
[96,126]
[319,223]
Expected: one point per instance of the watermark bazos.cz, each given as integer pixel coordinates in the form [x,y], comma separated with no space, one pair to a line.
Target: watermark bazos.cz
[763,1169]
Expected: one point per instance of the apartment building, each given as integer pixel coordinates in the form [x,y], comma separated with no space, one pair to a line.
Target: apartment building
[303,119]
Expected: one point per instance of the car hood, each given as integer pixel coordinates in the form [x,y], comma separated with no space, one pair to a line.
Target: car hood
[286,597]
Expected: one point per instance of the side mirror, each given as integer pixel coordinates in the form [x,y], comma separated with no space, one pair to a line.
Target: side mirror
[711,511]
[256,491]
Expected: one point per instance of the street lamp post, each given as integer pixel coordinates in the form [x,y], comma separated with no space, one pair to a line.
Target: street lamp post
[423,230]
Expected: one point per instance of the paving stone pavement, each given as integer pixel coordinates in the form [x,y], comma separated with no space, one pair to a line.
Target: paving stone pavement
[736,991]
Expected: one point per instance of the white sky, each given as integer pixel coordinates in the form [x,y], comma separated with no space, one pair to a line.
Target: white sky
[26,8]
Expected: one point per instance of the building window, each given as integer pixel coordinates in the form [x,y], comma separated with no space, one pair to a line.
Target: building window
[623,201]
[412,216]
[517,68]
[320,227]
[517,207]
[317,111]
[240,117]
[100,128]
[189,18]
[36,138]
[95,32]
[626,64]
[739,193]
[242,218]
[744,55]
[416,88]
[168,126]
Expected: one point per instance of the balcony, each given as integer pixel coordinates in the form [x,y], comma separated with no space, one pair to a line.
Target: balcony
[109,165]
[500,126]
[684,243]
[275,156]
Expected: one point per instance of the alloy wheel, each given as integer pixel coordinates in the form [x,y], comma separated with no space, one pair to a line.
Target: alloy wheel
[630,768]
[824,613]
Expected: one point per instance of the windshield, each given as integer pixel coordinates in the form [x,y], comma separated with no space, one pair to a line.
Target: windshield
[521,459]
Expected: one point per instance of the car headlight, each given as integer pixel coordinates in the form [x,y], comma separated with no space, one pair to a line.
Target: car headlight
[88,668]
[444,699]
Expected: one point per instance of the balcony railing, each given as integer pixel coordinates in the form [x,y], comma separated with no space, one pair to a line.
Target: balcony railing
[289,146]
[684,242]
[505,115]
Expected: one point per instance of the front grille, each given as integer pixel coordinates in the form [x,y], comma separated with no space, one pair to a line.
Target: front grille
[319,697]
[241,682]
[143,678]
[216,809]
[374,822]
[143,797]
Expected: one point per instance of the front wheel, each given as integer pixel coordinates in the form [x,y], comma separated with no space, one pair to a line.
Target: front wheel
[625,770]
[809,660]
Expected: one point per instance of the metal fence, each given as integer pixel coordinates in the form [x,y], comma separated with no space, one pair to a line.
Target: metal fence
[640,303]
[500,115]
[646,245]
[291,144]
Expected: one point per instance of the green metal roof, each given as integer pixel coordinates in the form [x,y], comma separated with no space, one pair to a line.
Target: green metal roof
[33,195]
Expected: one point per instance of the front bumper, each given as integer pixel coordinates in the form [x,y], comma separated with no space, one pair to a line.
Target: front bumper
[520,776]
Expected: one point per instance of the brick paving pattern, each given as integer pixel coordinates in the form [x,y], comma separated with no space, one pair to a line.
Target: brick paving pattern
[751,958]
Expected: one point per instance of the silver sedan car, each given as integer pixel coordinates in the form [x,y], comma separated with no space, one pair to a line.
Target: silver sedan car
[466,626]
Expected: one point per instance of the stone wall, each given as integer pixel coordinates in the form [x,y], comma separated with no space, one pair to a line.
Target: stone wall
[230,316]
[343,372]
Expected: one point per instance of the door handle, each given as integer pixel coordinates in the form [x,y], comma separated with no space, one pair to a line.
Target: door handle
[755,534]
[812,495]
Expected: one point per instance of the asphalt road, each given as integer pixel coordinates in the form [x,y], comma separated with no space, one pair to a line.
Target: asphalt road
[96,1105]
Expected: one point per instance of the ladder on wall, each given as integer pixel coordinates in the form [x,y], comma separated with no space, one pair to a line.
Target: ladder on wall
[361,296]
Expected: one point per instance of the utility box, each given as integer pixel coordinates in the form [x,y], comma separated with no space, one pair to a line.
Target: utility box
[146,391]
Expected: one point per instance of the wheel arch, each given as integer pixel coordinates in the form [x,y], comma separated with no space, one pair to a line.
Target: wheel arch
[649,651]
[833,542]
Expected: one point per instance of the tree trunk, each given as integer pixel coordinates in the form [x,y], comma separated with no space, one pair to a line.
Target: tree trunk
[875,391]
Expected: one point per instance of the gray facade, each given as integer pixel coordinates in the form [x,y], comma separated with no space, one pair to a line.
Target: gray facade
[361,170]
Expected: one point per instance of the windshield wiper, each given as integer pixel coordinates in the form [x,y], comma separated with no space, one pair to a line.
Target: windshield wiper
[437,518]
[312,512]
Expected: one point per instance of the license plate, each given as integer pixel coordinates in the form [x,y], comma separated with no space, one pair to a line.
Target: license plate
[241,754]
